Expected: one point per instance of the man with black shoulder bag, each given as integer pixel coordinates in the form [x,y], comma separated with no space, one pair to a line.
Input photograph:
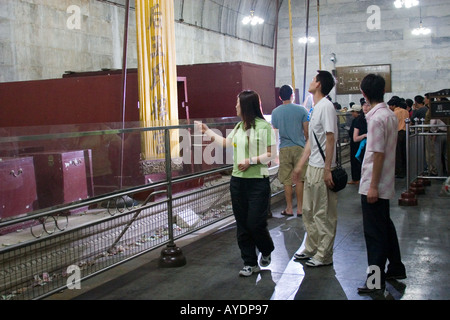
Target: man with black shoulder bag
[320,202]
[339,175]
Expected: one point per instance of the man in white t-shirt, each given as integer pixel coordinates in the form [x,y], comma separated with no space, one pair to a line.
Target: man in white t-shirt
[377,186]
[319,202]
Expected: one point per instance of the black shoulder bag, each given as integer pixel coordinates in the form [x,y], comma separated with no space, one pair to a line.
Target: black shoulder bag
[339,174]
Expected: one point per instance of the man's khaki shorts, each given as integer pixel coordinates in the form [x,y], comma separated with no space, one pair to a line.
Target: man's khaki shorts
[289,157]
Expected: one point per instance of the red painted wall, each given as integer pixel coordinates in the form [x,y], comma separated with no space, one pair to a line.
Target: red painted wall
[213,88]
[74,100]
[96,97]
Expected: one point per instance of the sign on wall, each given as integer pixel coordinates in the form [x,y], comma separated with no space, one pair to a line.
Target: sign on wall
[440,104]
[349,78]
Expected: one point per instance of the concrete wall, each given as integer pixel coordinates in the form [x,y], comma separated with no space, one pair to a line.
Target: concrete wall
[419,64]
[41,39]
[37,40]
[195,45]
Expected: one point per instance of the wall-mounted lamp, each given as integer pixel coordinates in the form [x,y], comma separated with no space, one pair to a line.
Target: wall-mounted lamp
[333,57]
[252,19]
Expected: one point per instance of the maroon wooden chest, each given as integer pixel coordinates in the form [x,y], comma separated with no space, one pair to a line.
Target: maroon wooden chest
[61,177]
[18,194]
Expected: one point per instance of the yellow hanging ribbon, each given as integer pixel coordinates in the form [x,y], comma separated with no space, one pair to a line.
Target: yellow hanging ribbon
[157,74]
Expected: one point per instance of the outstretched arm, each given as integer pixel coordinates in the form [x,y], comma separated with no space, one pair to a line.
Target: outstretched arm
[216,138]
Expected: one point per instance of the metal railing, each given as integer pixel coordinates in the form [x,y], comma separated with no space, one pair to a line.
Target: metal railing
[51,243]
[416,162]
[55,249]
[344,123]
[39,267]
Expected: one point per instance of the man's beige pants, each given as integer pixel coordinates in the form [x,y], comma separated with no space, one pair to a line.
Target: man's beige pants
[319,216]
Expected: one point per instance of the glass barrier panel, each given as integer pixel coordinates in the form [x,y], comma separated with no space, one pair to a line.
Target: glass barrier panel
[53,166]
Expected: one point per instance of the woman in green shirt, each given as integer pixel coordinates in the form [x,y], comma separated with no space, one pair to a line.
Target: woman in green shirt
[254,146]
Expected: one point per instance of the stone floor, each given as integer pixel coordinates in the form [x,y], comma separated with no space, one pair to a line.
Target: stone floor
[213,261]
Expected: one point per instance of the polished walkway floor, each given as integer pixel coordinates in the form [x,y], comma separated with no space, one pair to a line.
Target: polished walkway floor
[213,261]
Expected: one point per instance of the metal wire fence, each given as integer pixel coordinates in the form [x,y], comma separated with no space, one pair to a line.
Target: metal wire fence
[45,265]
[51,249]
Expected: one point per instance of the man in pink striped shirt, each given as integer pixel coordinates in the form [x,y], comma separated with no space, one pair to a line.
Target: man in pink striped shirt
[377,186]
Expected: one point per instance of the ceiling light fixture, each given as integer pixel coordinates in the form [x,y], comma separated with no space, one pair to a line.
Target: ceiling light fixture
[421,30]
[309,40]
[252,19]
[406,3]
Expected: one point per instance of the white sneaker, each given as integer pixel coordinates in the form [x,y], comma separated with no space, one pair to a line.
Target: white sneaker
[247,271]
[316,263]
[301,256]
[264,261]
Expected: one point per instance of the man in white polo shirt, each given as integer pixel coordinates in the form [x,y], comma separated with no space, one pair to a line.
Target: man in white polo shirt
[377,186]
[319,202]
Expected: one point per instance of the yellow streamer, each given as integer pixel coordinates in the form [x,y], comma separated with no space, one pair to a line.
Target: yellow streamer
[157,73]
[318,30]
[292,45]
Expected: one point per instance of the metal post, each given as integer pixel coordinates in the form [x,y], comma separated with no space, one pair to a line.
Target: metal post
[408,156]
[415,185]
[426,181]
[171,256]
[127,201]
[408,197]
[169,186]
[418,185]
[421,148]
[418,144]
[124,84]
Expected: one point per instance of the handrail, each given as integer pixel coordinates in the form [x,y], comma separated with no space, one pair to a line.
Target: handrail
[54,252]
[66,135]
[415,131]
